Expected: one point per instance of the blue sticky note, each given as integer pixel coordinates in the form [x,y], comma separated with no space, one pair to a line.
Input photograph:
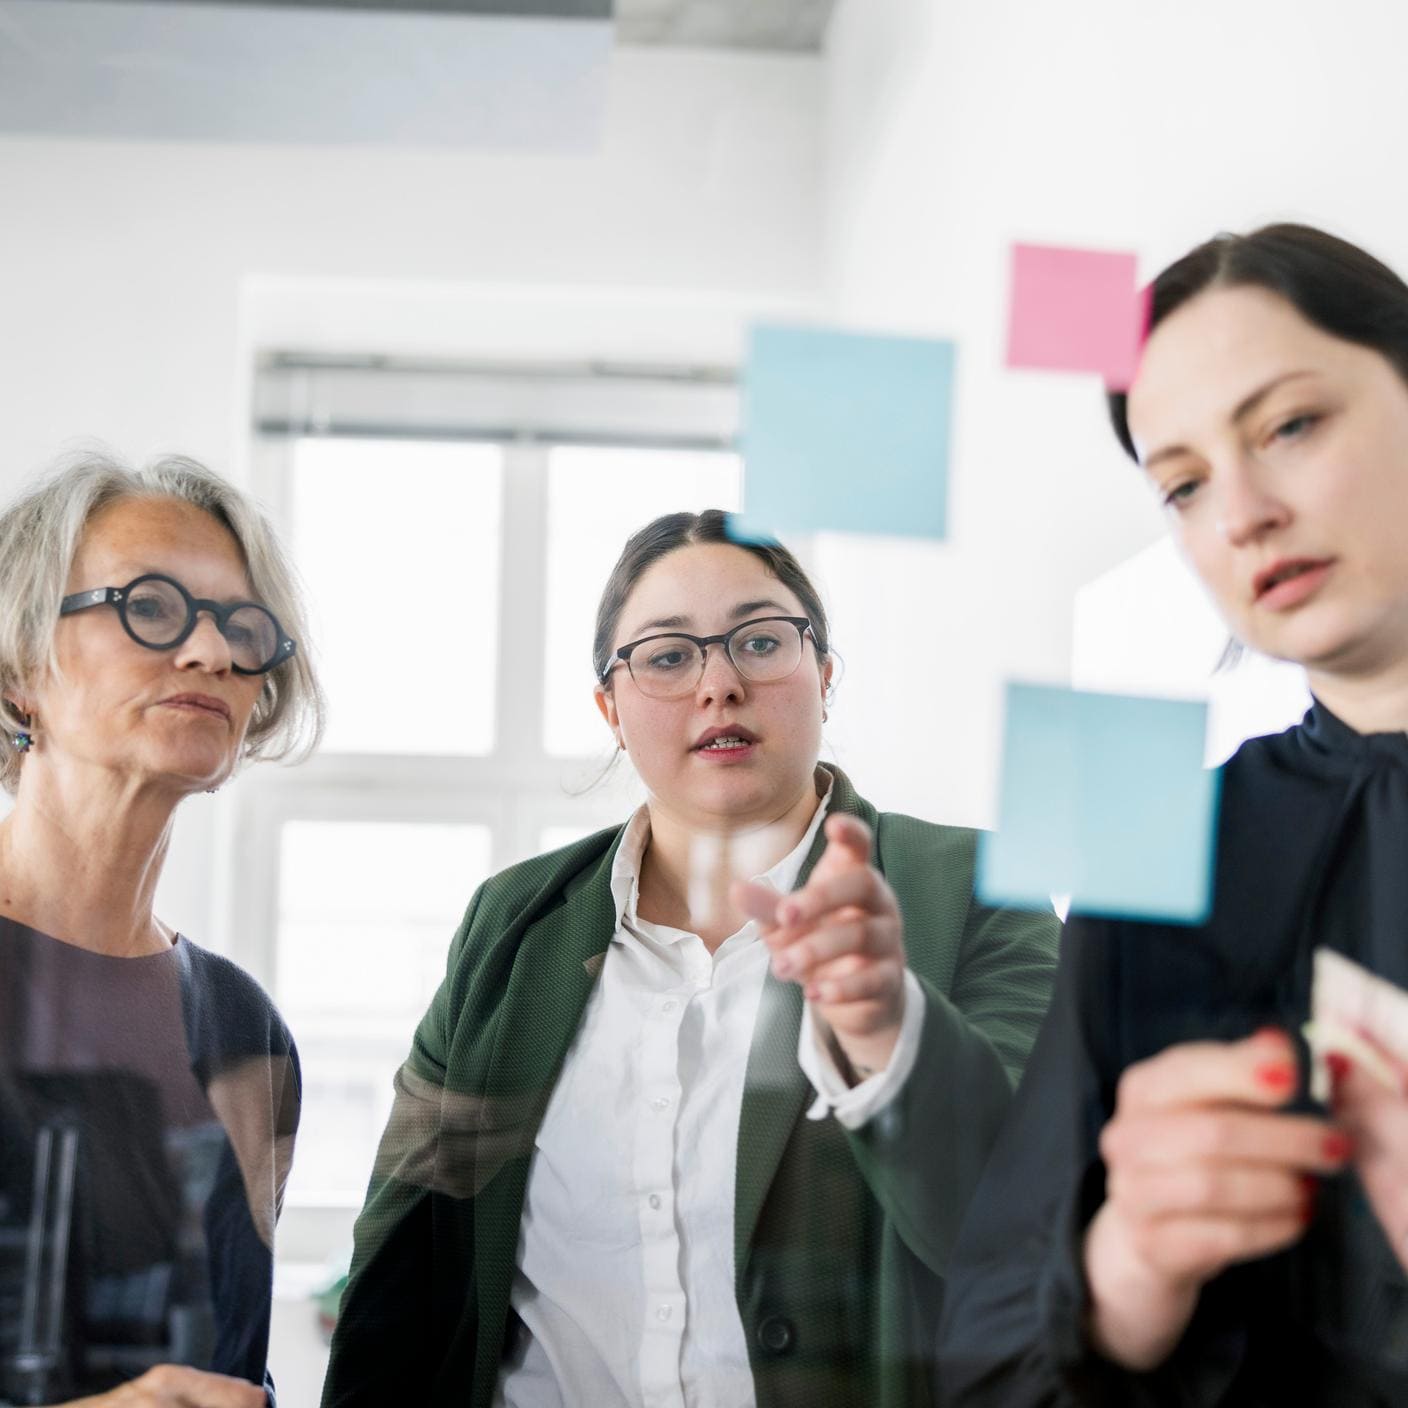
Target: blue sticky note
[845,432]
[1104,797]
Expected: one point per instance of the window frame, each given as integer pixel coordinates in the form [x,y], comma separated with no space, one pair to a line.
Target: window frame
[518,790]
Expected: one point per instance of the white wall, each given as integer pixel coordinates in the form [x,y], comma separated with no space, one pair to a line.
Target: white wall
[956,128]
[121,263]
[137,278]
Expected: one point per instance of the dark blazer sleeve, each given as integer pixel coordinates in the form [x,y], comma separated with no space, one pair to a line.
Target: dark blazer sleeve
[1014,1299]
[982,1011]
[382,1348]
[1013,1329]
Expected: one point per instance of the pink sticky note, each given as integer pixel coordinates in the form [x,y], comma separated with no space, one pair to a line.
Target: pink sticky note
[1076,310]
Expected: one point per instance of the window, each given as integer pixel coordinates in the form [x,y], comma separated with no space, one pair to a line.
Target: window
[366,912]
[454,529]
[398,542]
[453,588]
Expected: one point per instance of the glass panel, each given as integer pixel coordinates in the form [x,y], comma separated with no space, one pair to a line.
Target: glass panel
[398,541]
[366,914]
[598,497]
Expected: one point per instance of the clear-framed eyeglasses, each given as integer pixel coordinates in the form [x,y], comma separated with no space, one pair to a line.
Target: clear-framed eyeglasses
[763,651]
[159,613]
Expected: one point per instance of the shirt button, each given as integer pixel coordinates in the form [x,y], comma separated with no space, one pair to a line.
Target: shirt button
[669,1006]
[660,1103]
[663,1312]
[776,1334]
[655,1200]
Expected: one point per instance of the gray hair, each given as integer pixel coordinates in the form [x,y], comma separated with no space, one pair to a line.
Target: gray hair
[39,538]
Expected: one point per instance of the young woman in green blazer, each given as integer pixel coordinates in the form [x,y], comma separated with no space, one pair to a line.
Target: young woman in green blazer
[663,1140]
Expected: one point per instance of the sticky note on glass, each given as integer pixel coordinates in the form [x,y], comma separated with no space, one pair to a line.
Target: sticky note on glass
[1104,797]
[845,432]
[1076,310]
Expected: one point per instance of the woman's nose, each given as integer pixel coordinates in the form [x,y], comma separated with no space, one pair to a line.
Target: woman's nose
[720,678]
[1247,510]
[205,647]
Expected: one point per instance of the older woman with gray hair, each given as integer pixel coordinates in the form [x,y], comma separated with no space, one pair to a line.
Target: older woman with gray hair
[151,641]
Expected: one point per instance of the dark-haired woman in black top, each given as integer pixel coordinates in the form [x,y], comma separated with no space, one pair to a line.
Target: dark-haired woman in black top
[1168,1216]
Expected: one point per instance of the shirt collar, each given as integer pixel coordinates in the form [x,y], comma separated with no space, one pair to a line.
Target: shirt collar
[625,868]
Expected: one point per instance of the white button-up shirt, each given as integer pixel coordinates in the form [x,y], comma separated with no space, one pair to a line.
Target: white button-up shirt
[625,1269]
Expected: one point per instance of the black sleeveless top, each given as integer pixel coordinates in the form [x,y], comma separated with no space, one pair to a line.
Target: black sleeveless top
[148,1108]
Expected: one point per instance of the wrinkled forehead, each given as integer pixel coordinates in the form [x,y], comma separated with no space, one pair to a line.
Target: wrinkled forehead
[133,537]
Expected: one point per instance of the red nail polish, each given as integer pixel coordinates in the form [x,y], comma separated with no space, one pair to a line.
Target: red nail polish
[1338,1146]
[1339,1066]
[1310,1191]
[1277,1077]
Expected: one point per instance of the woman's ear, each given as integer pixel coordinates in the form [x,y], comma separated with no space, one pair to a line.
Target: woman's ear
[606,703]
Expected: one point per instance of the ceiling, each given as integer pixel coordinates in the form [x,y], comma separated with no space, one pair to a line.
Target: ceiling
[797,26]
[399,75]
[514,9]
[792,25]
[526,75]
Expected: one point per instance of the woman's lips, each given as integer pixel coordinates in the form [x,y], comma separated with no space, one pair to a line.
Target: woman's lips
[195,704]
[1292,591]
[730,753]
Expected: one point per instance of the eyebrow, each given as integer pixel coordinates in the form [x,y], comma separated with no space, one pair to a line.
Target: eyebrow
[741,612]
[149,571]
[1243,409]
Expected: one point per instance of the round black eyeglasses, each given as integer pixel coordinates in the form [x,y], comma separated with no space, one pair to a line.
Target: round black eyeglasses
[159,613]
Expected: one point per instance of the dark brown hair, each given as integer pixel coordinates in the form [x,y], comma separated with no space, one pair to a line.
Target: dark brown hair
[678,530]
[1331,283]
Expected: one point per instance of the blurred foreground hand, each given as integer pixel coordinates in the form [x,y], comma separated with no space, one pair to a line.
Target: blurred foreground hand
[173,1386]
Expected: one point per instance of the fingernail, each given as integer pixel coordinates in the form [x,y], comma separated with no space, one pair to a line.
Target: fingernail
[782,965]
[1339,1066]
[788,913]
[1338,1145]
[1277,1077]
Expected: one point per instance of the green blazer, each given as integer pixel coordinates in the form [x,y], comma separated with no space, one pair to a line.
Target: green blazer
[840,1237]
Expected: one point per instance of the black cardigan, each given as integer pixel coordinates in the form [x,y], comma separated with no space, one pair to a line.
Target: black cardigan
[1312,849]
